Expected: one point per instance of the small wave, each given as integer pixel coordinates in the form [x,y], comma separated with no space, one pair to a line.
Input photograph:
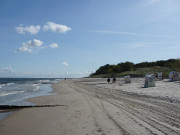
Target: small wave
[10,83]
[36,87]
[32,87]
[44,81]
[1,85]
[10,93]
[7,84]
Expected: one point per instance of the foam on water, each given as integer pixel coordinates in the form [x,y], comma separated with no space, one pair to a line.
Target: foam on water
[10,93]
[15,91]
[1,85]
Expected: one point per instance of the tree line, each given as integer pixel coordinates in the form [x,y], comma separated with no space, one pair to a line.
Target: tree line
[129,66]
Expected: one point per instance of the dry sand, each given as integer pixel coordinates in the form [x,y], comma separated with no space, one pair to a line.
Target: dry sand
[93,107]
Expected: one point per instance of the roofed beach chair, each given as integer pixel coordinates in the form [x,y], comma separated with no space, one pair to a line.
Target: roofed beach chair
[149,81]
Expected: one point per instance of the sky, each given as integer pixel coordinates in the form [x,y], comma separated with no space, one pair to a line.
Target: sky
[73,38]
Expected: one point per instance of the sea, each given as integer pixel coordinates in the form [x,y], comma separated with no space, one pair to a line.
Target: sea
[14,91]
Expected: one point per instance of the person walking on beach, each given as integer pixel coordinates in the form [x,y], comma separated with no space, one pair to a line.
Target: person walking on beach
[114,79]
[108,80]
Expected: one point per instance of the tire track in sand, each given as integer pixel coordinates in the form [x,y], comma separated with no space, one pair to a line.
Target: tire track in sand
[89,98]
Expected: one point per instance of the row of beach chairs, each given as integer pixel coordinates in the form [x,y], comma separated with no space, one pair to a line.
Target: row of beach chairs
[151,78]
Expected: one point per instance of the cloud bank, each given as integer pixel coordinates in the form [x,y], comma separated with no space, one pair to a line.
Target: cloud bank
[28,29]
[56,27]
[30,45]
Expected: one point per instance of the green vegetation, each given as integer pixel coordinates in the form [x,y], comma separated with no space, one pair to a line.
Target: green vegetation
[138,70]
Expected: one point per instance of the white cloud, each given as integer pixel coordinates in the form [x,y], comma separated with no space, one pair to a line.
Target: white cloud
[53,45]
[130,33]
[56,27]
[8,69]
[28,29]
[30,45]
[65,63]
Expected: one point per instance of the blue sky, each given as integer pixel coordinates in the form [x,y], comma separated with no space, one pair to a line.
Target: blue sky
[73,38]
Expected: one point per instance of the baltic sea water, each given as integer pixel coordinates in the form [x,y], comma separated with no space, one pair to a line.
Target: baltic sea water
[14,91]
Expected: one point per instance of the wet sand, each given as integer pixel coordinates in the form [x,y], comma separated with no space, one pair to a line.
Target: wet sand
[91,107]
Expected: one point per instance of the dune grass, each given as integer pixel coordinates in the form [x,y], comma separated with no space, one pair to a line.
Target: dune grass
[140,72]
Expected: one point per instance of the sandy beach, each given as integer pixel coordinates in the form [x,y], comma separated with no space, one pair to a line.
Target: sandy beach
[93,107]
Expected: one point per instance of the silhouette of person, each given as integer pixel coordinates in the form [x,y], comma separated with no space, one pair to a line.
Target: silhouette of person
[114,79]
[108,80]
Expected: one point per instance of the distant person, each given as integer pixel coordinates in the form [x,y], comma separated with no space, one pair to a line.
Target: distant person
[64,78]
[114,79]
[156,75]
[173,75]
[108,80]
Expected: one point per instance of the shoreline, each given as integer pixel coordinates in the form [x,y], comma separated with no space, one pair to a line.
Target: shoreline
[12,120]
[38,101]
[28,102]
